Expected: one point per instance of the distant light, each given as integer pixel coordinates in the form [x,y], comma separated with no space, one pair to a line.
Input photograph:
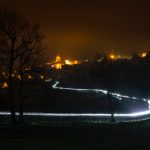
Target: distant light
[5,85]
[29,77]
[144,54]
[19,76]
[48,80]
[112,56]
[67,62]
[58,66]
[42,77]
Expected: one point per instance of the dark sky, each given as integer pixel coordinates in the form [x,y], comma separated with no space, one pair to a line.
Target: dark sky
[80,28]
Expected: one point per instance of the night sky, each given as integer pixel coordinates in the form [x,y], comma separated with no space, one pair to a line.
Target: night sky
[80,28]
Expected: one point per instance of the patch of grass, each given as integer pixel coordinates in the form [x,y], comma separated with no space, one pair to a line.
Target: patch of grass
[87,136]
[32,142]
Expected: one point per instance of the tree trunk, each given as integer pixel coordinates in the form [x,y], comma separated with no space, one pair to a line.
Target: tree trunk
[13,116]
[111,108]
[112,115]
[21,119]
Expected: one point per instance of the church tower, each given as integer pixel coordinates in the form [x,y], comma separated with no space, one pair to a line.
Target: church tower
[58,58]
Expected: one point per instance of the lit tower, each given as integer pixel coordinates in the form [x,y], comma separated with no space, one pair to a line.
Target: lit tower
[58,58]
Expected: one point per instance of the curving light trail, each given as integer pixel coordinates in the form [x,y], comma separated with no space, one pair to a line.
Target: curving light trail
[118,96]
[144,113]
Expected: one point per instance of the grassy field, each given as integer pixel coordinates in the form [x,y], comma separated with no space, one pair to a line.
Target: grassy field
[74,136]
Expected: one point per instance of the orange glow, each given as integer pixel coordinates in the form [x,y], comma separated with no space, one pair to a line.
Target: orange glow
[48,80]
[112,56]
[12,75]
[67,62]
[42,77]
[75,62]
[48,63]
[58,66]
[19,76]
[5,85]
[27,68]
[29,77]
[3,73]
[144,54]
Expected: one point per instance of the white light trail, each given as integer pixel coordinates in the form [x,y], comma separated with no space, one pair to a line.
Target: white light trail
[99,90]
[74,114]
[93,115]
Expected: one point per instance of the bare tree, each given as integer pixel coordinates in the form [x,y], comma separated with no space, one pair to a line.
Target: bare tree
[31,73]
[113,75]
[17,38]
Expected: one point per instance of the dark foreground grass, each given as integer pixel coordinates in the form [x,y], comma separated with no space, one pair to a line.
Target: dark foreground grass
[32,142]
[71,137]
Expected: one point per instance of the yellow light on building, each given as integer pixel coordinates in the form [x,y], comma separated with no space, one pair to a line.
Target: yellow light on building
[15,71]
[19,76]
[3,73]
[58,66]
[12,75]
[42,77]
[67,62]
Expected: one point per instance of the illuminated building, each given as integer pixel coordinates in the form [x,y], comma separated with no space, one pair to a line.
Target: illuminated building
[67,62]
[58,58]
[58,66]
[58,63]
[142,54]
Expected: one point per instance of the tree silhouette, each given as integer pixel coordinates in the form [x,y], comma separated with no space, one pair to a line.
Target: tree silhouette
[17,38]
[113,75]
